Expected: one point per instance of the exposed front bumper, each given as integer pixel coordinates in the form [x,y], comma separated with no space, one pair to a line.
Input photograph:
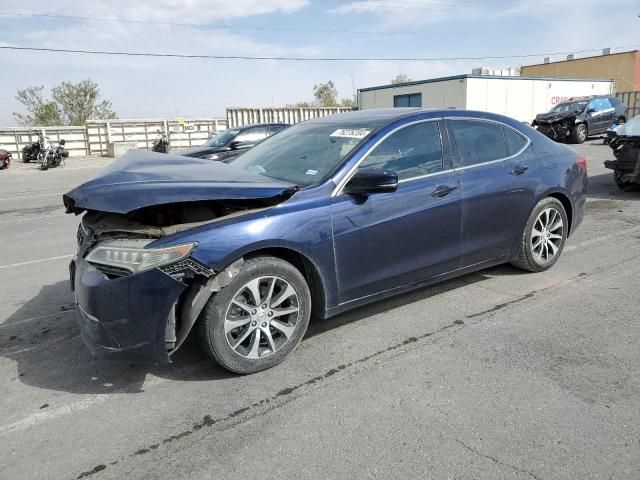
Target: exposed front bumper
[124,318]
[555,131]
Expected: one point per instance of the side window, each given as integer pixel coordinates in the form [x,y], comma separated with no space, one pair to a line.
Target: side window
[414,151]
[477,141]
[411,100]
[614,101]
[515,140]
[252,135]
[600,104]
[273,129]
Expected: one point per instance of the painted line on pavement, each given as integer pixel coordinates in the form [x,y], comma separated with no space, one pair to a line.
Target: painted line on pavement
[31,262]
[33,218]
[20,197]
[33,319]
[41,417]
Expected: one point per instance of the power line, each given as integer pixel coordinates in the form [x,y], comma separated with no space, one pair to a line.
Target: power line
[240,27]
[394,5]
[295,59]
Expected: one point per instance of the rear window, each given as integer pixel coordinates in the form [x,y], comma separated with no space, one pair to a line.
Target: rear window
[515,140]
[477,141]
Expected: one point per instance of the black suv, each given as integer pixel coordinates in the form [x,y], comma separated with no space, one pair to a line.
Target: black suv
[576,119]
[228,144]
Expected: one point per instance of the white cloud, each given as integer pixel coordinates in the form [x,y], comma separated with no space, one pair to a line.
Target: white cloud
[196,11]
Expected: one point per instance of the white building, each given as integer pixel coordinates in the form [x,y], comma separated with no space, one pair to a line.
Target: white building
[521,98]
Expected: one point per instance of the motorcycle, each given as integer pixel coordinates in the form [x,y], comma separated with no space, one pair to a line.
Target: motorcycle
[54,156]
[35,151]
[161,145]
[5,159]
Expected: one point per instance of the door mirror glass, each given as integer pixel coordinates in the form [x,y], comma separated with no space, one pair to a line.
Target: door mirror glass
[372,180]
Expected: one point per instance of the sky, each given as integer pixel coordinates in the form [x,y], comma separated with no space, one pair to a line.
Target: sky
[141,87]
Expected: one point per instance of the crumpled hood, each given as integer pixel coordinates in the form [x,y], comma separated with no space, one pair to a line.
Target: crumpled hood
[141,179]
[554,117]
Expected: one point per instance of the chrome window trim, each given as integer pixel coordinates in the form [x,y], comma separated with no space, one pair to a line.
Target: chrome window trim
[338,189]
[340,186]
[526,145]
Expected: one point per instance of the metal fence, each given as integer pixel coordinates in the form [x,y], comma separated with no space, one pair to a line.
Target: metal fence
[632,101]
[15,139]
[238,116]
[142,133]
[94,137]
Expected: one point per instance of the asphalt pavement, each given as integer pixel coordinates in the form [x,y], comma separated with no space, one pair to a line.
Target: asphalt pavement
[499,374]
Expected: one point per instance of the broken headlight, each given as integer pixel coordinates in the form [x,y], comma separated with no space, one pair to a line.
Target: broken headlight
[132,255]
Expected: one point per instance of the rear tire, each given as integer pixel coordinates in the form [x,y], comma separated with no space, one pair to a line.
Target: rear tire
[246,335]
[544,236]
[579,133]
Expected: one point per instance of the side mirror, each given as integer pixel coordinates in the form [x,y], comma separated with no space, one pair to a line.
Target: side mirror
[372,180]
[591,110]
[236,144]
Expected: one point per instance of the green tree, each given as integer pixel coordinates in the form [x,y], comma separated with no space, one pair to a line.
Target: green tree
[326,94]
[72,104]
[41,112]
[81,101]
[401,78]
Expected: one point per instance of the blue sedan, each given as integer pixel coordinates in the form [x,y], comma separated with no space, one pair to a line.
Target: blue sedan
[328,215]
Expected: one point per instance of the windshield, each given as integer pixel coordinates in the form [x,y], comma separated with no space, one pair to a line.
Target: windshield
[303,154]
[220,139]
[569,107]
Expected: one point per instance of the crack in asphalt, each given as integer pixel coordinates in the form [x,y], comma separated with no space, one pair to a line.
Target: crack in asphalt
[495,460]
[270,402]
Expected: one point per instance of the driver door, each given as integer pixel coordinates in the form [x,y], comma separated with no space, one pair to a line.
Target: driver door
[388,240]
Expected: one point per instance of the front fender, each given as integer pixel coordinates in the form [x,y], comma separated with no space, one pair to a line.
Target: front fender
[303,228]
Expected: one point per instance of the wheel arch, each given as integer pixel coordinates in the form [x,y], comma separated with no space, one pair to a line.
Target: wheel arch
[566,203]
[308,269]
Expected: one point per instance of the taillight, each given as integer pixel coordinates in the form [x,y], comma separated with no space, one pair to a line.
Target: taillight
[582,163]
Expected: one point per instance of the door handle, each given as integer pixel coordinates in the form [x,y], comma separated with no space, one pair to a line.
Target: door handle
[519,169]
[442,191]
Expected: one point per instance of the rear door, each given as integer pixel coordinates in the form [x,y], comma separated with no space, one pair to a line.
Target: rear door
[496,182]
[603,115]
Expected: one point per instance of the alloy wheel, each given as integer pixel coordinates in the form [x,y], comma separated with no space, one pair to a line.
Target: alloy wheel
[262,317]
[547,235]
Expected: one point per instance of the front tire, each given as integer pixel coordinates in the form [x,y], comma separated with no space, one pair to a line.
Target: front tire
[258,319]
[579,134]
[544,236]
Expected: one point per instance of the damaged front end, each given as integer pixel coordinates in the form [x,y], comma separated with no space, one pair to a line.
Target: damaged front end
[137,300]
[557,127]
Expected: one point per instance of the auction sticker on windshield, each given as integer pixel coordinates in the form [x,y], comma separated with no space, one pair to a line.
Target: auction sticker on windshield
[351,133]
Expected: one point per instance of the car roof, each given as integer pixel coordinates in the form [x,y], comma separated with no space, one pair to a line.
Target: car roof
[588,97]
[375,116]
